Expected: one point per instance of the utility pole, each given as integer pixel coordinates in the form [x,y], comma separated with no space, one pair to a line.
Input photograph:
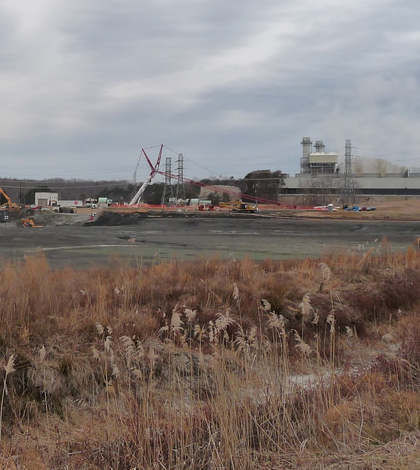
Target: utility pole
[180,190]
[168,180]
[347,194]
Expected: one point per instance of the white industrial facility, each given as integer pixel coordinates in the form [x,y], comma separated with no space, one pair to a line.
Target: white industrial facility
[332,172]
[318,162]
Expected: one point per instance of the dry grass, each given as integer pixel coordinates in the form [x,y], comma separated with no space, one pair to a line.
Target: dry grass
[212,364]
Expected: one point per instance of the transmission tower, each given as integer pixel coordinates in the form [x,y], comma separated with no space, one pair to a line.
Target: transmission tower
[168,181]
[180,190]
[347,189]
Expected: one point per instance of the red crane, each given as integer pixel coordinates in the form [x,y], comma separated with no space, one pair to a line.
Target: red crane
[154,170]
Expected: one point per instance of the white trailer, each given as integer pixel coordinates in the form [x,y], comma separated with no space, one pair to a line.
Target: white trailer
[70,203]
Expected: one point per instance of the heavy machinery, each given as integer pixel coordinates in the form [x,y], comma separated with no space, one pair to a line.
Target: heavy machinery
[11,206]
[239,206]
[29,223]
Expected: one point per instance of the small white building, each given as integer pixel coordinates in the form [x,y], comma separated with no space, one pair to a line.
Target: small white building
[46,199]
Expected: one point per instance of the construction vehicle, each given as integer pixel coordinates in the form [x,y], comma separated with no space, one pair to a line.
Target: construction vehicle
[11,206]
[239,206]
[29,223]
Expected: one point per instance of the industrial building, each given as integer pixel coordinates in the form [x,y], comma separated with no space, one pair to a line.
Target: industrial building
[46,199]
[331,173]
[318,162]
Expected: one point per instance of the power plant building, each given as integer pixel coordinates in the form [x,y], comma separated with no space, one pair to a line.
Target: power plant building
[330,171]
[318,162]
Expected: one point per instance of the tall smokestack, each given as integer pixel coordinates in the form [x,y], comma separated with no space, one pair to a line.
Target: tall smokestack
[319,146]
[306,150]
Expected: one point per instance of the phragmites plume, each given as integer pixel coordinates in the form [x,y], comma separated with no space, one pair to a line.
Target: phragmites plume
[211,332]
[266,305]
[129,349]
[235,291]
[306,307]
[176,322]
[247,341]
[96,354]
[103,330]
[325,272]
[10,366]
[349,332]
[107,344]
[331,322]
[303,347]
[115,372]
[276,321]
[99,329]
[200,332]
[128,345]
[190,314]
[325,275]
[223,320]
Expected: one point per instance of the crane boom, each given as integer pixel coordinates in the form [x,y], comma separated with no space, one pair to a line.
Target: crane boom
[154,170]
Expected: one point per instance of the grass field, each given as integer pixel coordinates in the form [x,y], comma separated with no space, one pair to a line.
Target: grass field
[212,364]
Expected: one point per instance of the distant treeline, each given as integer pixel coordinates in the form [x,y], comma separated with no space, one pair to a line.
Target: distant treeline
[22,191]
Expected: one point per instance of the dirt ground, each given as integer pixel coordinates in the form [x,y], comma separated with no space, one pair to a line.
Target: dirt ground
[148,237]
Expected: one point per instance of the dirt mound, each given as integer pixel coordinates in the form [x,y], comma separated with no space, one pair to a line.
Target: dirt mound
[109,218]
[45,218]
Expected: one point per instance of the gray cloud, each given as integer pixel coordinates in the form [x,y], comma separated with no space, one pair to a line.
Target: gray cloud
[234,87]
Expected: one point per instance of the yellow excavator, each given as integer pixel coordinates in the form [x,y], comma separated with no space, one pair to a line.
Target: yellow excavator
[29,223]
[11,206]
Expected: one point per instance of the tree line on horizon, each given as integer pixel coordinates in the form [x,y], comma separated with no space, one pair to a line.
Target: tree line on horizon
[265,184]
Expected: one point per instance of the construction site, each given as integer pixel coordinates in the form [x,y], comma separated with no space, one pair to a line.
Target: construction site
[286,225]
[327,180]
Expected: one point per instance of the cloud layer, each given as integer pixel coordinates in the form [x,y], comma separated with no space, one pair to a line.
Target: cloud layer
[233,86]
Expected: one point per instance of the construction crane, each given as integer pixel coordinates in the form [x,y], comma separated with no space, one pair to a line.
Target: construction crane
[238,206]
[154,170]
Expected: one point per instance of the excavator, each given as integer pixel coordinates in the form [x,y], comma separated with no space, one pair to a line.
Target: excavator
[11,206]
[29,223]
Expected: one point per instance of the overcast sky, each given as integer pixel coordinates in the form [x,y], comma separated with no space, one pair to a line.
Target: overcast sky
[233,86]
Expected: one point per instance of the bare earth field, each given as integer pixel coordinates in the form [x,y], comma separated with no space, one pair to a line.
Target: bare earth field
[72,240]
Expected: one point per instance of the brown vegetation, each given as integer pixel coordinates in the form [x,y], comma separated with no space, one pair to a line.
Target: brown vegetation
[212,364]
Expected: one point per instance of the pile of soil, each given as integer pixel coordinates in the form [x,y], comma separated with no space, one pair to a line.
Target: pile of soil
[109,218]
